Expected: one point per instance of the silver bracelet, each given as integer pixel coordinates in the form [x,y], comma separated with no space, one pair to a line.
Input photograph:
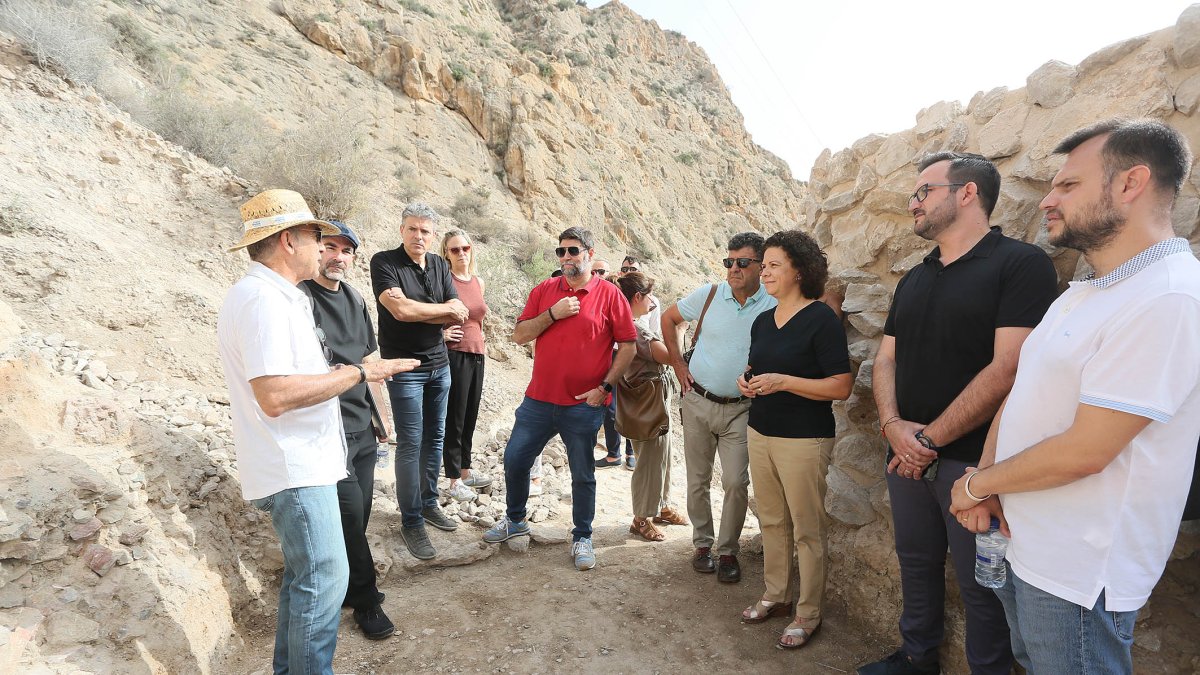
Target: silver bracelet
[967,488]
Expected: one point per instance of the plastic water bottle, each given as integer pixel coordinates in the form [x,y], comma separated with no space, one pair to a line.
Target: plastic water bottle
[989,556]
[381,456]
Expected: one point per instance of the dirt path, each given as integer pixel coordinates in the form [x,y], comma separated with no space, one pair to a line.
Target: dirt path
[641,610]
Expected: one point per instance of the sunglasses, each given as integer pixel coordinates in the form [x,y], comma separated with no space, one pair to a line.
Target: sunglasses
[742,263]
[564,250]
[923,191]
[600,273]
[325,350]
[460,249]
[316,232]
[627,270]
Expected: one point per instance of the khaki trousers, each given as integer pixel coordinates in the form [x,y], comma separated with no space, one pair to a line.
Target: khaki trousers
[651,481]
[711,430]
[789,486]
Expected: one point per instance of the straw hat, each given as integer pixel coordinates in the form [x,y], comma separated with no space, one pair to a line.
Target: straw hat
[272,211]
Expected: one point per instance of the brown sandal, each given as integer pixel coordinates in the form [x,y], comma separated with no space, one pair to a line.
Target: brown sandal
[669,516]
[801,634]
[764,610]
[644,528]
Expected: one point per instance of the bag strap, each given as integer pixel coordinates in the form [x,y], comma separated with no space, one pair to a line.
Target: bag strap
[357,298]
[712,293]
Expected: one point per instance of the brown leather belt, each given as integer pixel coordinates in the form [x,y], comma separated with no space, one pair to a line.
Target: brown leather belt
[724,400]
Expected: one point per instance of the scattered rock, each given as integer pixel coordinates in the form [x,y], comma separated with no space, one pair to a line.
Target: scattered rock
[1051,85]
[99,558]
[68,629]
[85,530]
[549,536]
[518,544]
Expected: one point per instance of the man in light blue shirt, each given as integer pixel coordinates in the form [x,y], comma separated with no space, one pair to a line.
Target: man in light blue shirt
[714,413]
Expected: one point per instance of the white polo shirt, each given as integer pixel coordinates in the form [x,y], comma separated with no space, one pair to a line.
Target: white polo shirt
[265,327]
[1126,341]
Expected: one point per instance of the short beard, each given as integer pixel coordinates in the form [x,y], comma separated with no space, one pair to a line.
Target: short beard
[332,274]
[1093,228]
[571,270]
[937,220]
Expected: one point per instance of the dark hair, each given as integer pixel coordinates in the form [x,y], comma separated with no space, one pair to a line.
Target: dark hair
[1159,147]
[808,259]
[632,283]
[969,168]
[580,235]
[744,239]
[630,259]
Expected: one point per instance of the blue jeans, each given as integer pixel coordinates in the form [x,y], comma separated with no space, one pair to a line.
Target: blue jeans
[419,410]
[536,424]
[315,575]
[1051,635]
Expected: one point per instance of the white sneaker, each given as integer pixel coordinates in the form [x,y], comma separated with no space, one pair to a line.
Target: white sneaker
[535,489]
[477,480]
[462,493]
[584,554]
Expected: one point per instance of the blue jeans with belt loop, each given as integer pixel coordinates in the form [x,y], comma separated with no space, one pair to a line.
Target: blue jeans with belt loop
[419,409]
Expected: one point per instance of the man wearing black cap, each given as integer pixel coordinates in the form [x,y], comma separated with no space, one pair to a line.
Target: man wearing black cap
[341,316]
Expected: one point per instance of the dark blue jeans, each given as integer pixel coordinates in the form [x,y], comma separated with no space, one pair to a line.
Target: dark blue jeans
[536,423]
[419,410]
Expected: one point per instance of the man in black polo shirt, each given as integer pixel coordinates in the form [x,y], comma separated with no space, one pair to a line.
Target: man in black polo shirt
[341,314]
[946,361]
[416,298]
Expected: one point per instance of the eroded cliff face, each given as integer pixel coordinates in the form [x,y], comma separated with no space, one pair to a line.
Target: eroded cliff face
[856,207]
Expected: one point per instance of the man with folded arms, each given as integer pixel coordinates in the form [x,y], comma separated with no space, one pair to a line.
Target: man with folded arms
[714,412]
[287,428]
[1094,447]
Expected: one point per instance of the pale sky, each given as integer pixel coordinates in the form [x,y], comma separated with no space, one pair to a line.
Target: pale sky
[815,75]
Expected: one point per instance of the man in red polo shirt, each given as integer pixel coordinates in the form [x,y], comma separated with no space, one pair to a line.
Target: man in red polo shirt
[575,319]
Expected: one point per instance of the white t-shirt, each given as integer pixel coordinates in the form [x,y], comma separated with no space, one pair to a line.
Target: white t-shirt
[652,321]
[265,327]
[1127,342]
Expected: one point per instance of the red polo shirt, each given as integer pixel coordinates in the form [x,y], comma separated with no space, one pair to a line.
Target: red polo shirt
[574,354]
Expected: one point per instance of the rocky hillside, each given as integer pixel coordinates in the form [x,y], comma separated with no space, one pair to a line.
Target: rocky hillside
[124,545]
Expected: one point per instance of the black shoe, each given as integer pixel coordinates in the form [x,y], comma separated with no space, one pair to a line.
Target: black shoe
[607,462]
[374,623]
[434,516]
[728,569]
[702,561]
[417,541]
[899,664]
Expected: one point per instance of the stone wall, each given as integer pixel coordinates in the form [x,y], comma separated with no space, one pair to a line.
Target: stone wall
[856,207]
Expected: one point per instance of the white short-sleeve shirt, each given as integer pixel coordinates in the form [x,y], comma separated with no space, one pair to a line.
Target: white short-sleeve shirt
[1127,342]
[265,327]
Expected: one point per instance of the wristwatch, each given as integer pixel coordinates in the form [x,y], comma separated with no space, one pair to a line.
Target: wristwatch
[606,387]
[925,441]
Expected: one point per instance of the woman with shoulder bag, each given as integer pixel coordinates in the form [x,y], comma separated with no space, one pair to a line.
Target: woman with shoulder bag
[798,366]
[643,417]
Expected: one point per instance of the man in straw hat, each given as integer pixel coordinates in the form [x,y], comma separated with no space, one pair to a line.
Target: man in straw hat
[287,425]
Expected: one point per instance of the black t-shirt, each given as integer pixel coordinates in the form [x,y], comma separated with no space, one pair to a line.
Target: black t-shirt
[812,345]
[944,320]
[350,336]
[411,339]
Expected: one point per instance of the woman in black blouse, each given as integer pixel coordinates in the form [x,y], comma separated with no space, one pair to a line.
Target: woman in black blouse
[798,365]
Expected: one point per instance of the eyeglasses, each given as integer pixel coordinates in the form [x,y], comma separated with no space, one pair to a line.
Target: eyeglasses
[742,263]
[564,250]
[626,270]
[599,273]
[316,232]
[923,191]
[460,249]
[325,350]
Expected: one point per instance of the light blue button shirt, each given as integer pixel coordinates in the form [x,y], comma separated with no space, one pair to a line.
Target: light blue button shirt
[724,347]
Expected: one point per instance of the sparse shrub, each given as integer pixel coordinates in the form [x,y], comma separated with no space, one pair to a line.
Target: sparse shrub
[457,72]
[414,6]
[468,207]
[545,70]
[687,158]
[328,161]
[61,35]
[564,5]
[505,287]
[135,41]
[223,134]
[372,25]
[578,59]
[611,51]
[15,218]
[408,187]
[548,96]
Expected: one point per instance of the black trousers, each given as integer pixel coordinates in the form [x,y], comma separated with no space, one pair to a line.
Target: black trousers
[462,411]
[924,529]
[354,499]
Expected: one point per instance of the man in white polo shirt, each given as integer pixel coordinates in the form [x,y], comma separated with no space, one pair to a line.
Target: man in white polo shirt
[1095,445]
[287,425]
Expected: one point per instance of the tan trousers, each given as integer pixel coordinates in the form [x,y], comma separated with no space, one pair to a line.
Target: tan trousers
[651,481]
[789,486]
[711,430]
